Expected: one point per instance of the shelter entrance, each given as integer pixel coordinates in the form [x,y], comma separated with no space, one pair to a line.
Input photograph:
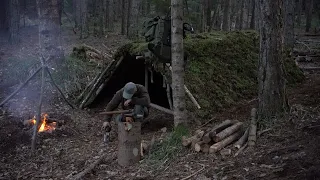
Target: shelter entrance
[131,70]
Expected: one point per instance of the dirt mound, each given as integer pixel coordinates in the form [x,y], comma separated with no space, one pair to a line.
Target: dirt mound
[221,68]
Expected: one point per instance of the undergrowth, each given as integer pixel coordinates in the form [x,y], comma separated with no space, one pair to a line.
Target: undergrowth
[166,151]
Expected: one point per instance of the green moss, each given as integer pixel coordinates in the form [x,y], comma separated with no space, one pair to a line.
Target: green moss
[222,68]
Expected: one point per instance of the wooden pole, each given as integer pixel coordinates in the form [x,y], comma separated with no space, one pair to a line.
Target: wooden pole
[38,119]
[129,146]
[169,97]
[146,78]
[56,86]
[194,101]
[252,138]
[20,87]
[161,108]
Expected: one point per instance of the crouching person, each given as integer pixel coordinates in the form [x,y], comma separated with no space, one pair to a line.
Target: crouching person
[131,96]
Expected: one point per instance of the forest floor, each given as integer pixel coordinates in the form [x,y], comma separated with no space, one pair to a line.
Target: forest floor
[290,149]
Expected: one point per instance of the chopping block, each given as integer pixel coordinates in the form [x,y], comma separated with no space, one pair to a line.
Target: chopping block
[129,137]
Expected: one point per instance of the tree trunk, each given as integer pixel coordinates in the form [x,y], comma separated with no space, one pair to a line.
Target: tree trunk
[83,18]
[133,20]
[226,16]
[77,12]
[50,33]
[309,9]
[101,17]
[123,17]
[178,74]
[299,11]
[272,86]
[128,9]
[14,21]
[252,22]
[289,24]
[241,15]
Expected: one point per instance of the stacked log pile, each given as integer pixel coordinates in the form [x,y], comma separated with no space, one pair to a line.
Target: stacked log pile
[214,139]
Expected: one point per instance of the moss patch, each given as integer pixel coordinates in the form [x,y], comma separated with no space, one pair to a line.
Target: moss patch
[222,68]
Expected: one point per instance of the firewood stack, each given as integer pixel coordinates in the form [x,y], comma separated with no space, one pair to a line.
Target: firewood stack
[216,138]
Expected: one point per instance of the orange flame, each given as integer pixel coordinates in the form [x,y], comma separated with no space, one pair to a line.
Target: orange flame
[44,126]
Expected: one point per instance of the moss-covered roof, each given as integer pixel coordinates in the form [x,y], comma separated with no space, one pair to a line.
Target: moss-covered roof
[222,68]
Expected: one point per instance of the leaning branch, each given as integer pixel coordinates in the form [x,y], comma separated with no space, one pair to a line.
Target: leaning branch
[20,87]
[56,86]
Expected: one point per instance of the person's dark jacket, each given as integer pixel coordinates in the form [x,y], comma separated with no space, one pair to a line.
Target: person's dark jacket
[140,97]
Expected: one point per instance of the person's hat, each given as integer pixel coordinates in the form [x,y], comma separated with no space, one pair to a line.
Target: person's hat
[129,89]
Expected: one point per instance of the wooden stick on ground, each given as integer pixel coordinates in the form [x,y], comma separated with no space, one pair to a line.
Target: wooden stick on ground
[90,167]
[227,132]
[38,119]
[242,140]
[225,142]
[216,129]
[56,86]
[253,128]
[190,176]
[20,87]
[201,146]
[240,150]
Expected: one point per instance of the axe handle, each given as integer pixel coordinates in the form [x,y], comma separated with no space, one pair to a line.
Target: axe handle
[115,112]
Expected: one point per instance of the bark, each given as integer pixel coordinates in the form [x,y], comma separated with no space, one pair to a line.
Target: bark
[216,129]
[76,12]
[123,17]
[242,140]
[133,20]
[50,33]
[178,73]
[271,77]
[241,18]
[83,18]
[14,21]
[299,11]
[309,9]
[128,7]
[110,15]
[193,139]
[129,144]
[225,142]
[289,24]
[226,16]
[252,138]
[227,132]
[38,119]
[253,9]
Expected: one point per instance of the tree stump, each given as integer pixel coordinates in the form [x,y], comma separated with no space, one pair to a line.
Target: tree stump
[129,144]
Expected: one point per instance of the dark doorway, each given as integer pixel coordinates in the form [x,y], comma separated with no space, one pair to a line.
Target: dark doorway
[131,70]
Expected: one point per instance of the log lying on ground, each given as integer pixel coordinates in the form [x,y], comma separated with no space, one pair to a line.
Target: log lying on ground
[216,129]
[201,146]
[225,142]
[227,132]
[242,140]
[193,139]
[253,128]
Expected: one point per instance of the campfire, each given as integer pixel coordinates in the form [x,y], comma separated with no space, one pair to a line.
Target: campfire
[46,124]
